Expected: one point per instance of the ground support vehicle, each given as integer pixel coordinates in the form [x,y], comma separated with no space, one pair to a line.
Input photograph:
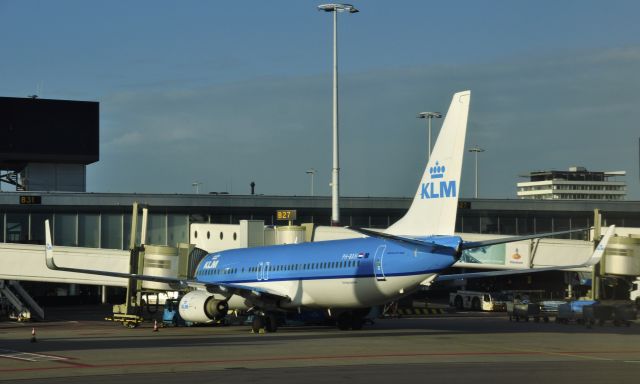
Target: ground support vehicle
[171,315]
[129,321]
[549,309]
[634,292]
[572,311]
[619,313]
[476,301]
[597,313]
[624,313]
[524,311]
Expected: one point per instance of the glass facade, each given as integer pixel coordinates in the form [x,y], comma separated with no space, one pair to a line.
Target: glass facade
[157,229]
[111,229]
[89,230]
[17,227]
[65,229]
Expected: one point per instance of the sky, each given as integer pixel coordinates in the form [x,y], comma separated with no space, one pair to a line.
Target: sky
[226,93]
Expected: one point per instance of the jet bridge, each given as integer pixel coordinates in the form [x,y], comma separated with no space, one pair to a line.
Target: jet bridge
[25,262]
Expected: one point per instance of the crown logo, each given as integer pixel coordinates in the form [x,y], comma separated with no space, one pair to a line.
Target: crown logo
[437,171]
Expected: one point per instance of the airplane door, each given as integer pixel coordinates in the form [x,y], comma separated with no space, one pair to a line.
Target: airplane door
[377,263]
[260,271]
[263,271]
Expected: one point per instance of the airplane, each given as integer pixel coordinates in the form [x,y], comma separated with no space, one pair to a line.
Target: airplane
[344,277]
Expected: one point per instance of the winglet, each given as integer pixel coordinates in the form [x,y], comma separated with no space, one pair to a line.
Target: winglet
[48,247]
[597,254]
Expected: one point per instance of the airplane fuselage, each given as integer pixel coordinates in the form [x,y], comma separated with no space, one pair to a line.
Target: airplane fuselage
[349,273]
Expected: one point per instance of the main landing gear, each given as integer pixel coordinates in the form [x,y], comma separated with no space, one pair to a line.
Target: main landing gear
[352,320]
[264,323]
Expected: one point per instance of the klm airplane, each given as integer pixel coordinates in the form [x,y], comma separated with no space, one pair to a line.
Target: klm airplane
[344,277]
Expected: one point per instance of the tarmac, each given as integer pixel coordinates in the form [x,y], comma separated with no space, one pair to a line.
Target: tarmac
[78,346]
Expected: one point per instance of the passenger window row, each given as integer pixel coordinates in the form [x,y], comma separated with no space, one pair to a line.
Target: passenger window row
[287,267]
[308,266]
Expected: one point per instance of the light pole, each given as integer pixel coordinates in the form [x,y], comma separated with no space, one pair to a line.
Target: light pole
[429,116]
[476,150]
[311,172]
[335,174]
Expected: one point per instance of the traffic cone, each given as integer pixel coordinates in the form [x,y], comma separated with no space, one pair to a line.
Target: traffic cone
[33,335]
[155,325]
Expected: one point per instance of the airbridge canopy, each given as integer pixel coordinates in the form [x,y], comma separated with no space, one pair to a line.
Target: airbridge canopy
[26,262]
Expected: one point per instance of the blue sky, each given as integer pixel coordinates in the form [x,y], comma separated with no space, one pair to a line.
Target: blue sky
[226,93]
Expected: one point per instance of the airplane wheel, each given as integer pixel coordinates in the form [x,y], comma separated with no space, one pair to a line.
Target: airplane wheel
[257,324]
[344,321]
[357,323]
[271,323]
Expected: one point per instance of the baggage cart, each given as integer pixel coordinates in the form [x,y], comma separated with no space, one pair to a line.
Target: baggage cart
[523,311]
[596,313]
[549,308]
[623,314]
[526,310]
[572,311]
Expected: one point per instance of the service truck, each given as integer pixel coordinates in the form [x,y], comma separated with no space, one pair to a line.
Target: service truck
[477,301]
[634,292]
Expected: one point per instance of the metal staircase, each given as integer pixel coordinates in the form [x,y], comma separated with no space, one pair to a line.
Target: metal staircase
[19,303]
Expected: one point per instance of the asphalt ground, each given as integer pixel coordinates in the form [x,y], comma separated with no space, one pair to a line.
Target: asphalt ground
[77,346]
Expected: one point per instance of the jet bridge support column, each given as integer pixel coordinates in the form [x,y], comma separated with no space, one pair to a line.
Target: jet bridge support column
[129,312]
[598,268]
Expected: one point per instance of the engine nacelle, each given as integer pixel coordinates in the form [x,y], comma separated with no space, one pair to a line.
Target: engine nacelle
[202,307]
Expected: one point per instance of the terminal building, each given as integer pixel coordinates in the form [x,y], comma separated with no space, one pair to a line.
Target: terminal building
[574,184]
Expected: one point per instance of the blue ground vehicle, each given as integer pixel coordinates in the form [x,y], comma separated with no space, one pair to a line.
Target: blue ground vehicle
[171,316]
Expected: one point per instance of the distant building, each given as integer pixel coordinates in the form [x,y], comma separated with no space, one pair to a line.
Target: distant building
[575,184]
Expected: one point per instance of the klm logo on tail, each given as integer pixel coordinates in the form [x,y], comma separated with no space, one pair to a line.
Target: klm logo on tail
[438,188]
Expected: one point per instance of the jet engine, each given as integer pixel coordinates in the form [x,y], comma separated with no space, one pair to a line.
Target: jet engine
[202,307]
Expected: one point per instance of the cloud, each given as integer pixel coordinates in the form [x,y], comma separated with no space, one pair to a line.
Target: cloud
[529,114]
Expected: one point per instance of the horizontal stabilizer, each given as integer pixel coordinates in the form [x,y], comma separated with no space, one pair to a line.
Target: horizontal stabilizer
[432,245]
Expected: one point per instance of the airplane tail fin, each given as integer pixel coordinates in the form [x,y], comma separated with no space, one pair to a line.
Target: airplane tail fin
[434,206]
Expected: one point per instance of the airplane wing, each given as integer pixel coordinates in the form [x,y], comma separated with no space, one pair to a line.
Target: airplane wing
[463,245]
[593,260]
[225,289]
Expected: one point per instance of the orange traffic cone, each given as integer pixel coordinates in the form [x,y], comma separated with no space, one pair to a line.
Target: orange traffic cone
[33,335]
[155,325]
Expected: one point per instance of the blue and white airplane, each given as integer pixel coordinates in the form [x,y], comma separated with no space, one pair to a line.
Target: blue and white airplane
[344,277]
